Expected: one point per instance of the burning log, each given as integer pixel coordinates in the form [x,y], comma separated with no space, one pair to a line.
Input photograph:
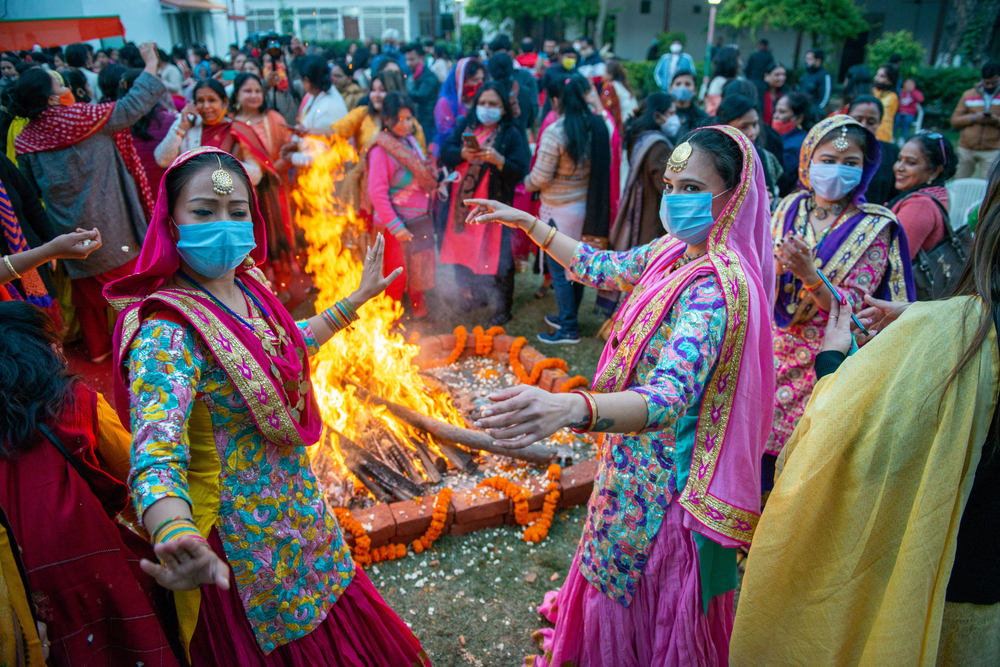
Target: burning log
[432,468]
[458,457]
[401,455]
[357,457]
[376,490]
[474,440]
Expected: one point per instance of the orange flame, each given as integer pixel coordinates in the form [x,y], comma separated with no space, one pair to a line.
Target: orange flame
[368,352]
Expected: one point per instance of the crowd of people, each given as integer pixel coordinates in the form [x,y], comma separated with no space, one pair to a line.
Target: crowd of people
[732,227]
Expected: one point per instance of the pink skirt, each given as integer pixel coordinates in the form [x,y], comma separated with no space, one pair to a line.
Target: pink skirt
[663,626]
[360,630]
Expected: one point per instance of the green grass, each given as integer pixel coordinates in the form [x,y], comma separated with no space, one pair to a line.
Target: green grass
[441,610]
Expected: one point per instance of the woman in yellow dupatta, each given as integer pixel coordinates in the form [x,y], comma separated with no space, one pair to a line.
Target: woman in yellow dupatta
[879,540]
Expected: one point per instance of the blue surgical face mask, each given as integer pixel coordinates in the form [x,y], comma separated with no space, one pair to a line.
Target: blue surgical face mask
[682,94]
[833,182]
[213,249]
[488,115]
[688,217]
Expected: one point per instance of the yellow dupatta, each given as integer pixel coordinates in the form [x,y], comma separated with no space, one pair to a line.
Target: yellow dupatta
[852,556]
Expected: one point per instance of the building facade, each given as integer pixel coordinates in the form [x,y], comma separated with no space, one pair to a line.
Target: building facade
[326,20]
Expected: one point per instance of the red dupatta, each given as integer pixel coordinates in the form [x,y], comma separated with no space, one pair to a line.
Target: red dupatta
[61,127]
[264,381]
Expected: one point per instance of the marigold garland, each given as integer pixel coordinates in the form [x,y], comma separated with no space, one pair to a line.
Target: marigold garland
[460,336]
[551,362]
[572,383]
[540,521]
[362,543]
[484,340]
[437,521]
[515,359]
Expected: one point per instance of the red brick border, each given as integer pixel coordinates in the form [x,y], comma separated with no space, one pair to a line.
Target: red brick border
[471,509]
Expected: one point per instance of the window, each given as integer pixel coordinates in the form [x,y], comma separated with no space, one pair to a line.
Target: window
[376,19]
[318,24]
[261,20]
[644,7]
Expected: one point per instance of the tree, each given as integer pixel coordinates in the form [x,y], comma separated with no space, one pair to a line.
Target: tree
[822,19]
[902,42]
[496,11]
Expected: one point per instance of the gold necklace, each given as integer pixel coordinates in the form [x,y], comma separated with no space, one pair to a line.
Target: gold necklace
[686,259]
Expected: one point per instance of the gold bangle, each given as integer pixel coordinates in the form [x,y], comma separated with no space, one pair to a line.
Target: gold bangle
[548,239]
[532,228]
[814,286]
[10,267]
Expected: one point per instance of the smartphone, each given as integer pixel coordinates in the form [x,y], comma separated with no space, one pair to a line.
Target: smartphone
[470,141]
[229,75]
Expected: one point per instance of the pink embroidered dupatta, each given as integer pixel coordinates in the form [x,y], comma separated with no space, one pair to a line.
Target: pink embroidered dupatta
[237,349]
[722,496]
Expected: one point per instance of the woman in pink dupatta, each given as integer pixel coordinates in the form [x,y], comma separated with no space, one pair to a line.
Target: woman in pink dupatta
[212,373]
[684,386]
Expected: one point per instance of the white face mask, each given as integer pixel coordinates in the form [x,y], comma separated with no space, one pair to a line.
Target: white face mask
[676,48]
[671,126]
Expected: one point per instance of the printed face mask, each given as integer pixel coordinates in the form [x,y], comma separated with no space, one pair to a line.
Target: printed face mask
[688,217]
[213,249]
[488,115]
[833,182]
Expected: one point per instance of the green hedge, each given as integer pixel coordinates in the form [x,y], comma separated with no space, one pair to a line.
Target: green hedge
[943,87]
[640,76]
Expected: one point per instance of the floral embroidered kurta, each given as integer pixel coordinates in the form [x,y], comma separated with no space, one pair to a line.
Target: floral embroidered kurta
[637,478]
[796,347]
[288,557]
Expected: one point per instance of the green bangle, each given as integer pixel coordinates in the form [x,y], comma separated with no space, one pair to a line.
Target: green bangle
[166,523]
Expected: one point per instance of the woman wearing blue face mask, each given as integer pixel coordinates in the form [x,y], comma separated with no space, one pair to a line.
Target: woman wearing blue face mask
[482,255]
[828,227]
[213,375]
[683,89]
[653,578]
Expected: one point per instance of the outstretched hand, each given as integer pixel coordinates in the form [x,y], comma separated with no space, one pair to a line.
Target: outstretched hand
[187,563]
[487,210]
[373,282]
[522,415]
[74,245]
[879,315]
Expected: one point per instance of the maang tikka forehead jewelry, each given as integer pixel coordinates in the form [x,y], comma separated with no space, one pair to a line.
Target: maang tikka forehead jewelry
[222,182]
[841,143]
[679,158]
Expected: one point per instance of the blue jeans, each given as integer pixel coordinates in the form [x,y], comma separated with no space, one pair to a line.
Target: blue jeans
[904,122]
[569,294]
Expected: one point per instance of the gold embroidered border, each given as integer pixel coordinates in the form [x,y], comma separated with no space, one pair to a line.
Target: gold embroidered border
[257,391]
[728,520]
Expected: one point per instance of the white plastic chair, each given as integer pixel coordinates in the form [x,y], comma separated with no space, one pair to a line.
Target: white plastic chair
[962,194]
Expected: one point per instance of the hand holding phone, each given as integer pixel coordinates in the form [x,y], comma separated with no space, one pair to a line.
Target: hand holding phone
[470,141]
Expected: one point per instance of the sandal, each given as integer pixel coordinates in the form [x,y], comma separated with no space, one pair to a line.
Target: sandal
[543,290]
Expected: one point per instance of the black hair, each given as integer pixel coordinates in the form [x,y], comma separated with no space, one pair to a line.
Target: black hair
[644,119]
[990,70]
[29,95]
[867,99]
[200,52]
[763,42]
[854,133]
[802,105]
[218,62]
[617,72]
[109,80]
[412,46]
[342,64]
[385,63]
[76,55]
[181,174]
[567,49]
[428,42]
[773,65]
[360,59]
[892,72]
[527,45]
[725,63]
[471,68]
[35,387]
[500,43]
[818,54]
[131,56]
[255,62]
[588,39]
[571,92]
[161,55]
[743,88]
[394,103]
[238,82]
[216,87]
[723,150]
[733,107]
[75,80]
[440,52]
[504,92]
[177,53]
[501,67]
[683,72]
[938,152]
[316,70]
[859,82]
